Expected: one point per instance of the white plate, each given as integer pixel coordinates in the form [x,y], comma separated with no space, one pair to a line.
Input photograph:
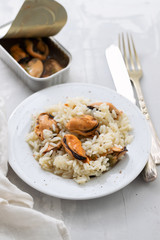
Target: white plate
[28,169]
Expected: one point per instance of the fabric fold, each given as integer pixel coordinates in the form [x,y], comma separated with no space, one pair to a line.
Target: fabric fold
[18,220]
[23,223]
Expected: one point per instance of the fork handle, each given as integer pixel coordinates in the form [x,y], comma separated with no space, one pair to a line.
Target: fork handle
[150,172]
[141,99]
[155,146]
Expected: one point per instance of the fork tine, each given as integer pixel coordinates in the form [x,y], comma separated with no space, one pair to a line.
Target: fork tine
[130,54]
[124,52]
[119,42]
[135,53]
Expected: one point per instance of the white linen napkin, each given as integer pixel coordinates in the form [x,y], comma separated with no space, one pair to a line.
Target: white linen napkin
[18,219]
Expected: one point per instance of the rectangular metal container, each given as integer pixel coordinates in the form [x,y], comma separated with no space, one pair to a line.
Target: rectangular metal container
[36,18]
[34,83]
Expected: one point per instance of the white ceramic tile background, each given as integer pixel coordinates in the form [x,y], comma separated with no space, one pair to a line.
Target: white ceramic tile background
[134,212]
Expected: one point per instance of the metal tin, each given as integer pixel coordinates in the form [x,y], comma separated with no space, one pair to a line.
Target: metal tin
[34,83]
[36,18]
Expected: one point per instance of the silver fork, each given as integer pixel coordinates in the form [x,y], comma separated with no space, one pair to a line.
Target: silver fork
[135,73]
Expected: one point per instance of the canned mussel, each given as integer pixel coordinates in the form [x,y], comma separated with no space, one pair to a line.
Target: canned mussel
[39,57]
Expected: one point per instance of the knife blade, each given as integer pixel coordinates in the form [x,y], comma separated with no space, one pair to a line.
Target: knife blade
[119,73]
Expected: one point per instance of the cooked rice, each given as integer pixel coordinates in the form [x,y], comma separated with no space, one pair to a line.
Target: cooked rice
[111,133]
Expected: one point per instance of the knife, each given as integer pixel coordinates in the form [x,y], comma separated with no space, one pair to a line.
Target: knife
[119,73]
[123,86]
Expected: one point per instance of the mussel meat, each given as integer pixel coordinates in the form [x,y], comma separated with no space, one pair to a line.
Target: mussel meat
[51,66]
[34,67]
[73,146]
[111,108]
[50,147]
[38,49]
[45,121]
[84,125]
[17,53]
[115,154]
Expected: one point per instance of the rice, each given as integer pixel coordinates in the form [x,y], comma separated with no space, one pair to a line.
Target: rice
[112,132]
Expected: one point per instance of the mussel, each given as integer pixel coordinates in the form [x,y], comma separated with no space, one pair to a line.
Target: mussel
[84,125]
[73,146]
[51,147]
[45,121]
[37,49]
[18,53]
[34,55]
[50,66]
[115,154]
[34,67]
[111,108]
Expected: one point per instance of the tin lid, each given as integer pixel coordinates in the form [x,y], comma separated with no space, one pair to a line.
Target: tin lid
[36,18]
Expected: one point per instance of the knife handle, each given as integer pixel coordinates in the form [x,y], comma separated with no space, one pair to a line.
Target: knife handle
[155,146]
